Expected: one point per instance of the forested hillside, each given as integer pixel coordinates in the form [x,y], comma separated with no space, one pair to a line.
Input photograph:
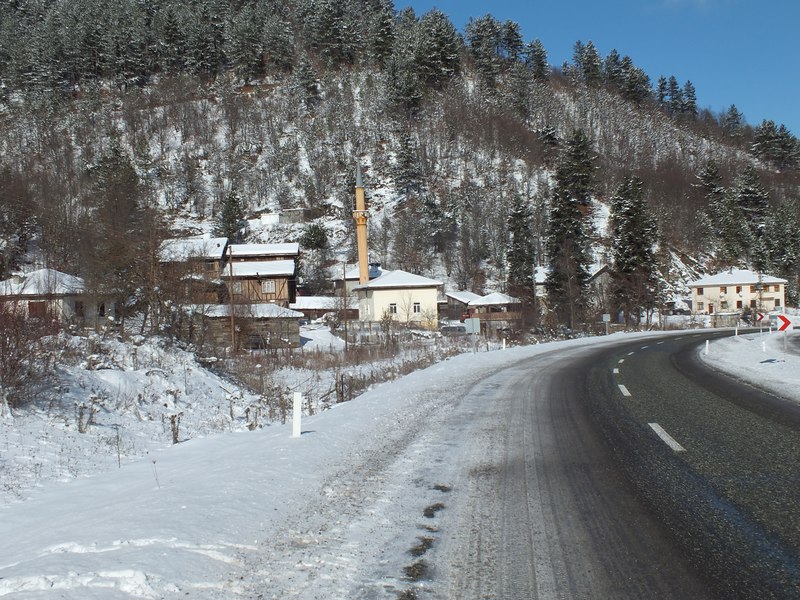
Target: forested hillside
[123,122]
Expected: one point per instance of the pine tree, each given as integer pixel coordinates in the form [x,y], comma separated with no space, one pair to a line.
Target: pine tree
[438,51]
[675,95]
[612,69]
[536,57]
[732,121]
[511,42]
[635,82]
[634,271]
[689,101]
[521,253]
[231,218]
[483,40]
[752,199]
[567,240]
[662,92]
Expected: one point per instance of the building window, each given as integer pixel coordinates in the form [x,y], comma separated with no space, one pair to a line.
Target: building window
[101,309]
[777,302]
[699,291]
[393,309]
[738,289]
[237,287]
[723,305]
[268,287]
[777,288]
[700,307]
[738,304]
[752,289]
[417,308]
[723,290]
[753,303]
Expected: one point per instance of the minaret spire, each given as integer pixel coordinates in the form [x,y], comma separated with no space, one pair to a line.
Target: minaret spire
[360,216]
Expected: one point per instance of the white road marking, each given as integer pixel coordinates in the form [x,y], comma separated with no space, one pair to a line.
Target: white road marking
[624,390]
[615,371]
[659,343]
[645,347]
[630,353]
[666,438]
[621,360]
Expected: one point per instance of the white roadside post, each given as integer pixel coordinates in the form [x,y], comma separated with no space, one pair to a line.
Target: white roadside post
[707,344]
[297,414]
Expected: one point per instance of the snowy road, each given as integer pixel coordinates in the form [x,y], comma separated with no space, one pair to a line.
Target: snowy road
[412,488]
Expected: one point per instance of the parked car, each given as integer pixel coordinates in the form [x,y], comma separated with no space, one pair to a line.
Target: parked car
[448,330]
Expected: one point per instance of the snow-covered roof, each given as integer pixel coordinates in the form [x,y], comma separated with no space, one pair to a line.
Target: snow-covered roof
[322,303]
[243,250]
[463,296]
[183,249]
[258,311]
[494,299]
[399,279]
[736,277]
[260,268]
[43,282]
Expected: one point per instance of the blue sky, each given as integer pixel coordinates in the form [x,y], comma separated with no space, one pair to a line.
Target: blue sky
[742,52]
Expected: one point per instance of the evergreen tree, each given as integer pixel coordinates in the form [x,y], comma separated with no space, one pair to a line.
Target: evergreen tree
[521,253]
[752,199]
[536,57]
[775,145]
[635,82]
[567,240]
[316,257]
[635,268]
[675,96]
[382,34]
[732,121]
[662,92]
[782,241]
[407,175]
[438,51]
[689,101]
[483,40]
[612,69]
[511,43]
[231,218]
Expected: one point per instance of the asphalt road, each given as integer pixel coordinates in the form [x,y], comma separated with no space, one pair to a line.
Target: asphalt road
[570,492]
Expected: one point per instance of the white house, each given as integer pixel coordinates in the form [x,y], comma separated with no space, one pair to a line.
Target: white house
[405,297]
[736,290]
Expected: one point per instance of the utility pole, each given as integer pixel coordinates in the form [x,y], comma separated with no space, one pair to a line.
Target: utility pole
[230,299]
[344,301]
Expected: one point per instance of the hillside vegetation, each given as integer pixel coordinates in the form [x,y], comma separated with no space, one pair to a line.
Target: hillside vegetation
[125,122]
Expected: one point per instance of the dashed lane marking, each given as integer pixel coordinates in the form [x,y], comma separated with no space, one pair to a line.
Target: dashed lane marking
[615,371]
[659,343]
[621,360]
[645,347]
[624,390]
[666,438]
[630,353]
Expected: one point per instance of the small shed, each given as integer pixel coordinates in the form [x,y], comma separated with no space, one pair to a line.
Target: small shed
[254,326]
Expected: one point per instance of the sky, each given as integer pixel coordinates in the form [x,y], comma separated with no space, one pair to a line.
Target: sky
[244,514]
[741,52]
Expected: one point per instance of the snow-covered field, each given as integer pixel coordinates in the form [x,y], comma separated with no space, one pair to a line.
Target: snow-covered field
[256,514]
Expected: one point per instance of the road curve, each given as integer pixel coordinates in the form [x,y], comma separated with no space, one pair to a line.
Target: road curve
[544,510]
[569,492]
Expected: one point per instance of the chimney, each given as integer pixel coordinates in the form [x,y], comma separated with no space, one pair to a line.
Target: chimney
[360,216]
